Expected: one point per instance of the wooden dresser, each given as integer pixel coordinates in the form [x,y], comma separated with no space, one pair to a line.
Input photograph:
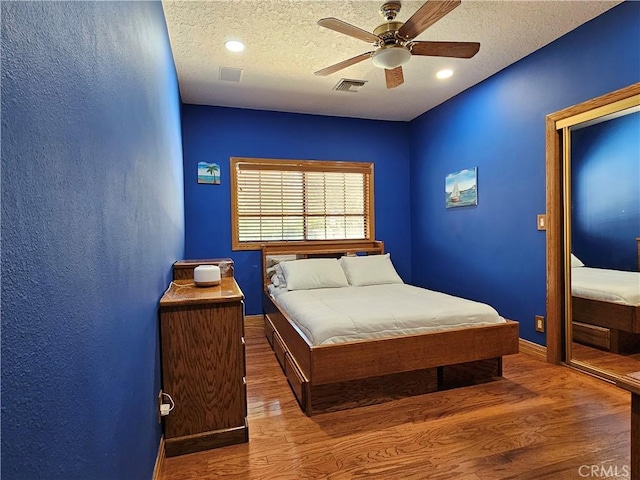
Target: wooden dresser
[203,362]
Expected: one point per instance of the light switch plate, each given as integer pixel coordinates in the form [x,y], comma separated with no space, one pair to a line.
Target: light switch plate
[542,222]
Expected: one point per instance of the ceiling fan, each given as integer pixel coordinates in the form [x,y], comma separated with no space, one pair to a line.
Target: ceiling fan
[394,40]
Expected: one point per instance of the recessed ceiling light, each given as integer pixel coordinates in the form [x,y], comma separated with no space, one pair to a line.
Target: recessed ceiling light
[444,73]
[234,46]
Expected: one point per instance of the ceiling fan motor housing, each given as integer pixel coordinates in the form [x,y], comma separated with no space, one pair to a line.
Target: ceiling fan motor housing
[387,33]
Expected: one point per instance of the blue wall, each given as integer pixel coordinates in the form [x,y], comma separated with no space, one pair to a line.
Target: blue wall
[214,134]
[605,179]
[493,252]
[92,219]
[93,213]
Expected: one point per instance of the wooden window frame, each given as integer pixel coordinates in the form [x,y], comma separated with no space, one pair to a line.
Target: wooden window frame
[366,168]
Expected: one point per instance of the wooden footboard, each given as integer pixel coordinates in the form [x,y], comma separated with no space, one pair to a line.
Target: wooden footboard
[338,376]
[346,361]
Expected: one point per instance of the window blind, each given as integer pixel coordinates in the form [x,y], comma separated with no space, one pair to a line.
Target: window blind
[293,200]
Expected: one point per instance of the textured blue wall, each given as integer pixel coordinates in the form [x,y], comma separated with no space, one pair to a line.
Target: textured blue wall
[92,218]
[605,171]
[213,134]
[493,252]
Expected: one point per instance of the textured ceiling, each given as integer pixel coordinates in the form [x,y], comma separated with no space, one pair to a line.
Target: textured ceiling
[284,46]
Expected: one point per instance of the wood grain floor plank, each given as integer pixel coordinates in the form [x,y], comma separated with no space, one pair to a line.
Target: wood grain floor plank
[539,421]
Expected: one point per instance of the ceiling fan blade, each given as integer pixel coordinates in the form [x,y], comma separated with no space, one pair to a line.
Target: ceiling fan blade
[344,64]
[394,77]
[446,49]
[348,29]
[425,16]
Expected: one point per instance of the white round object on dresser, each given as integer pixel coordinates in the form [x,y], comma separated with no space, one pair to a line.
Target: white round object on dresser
[206,275]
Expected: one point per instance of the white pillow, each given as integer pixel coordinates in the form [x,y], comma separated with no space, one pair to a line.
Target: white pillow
[313,273]
[370,270]
[576,262]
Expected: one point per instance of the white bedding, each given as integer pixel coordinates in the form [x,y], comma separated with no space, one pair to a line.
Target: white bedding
[334,315]
[613,286]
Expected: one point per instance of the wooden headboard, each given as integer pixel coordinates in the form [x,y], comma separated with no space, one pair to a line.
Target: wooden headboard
[296,250]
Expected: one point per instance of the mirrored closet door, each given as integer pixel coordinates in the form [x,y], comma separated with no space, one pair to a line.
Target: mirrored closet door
[604,223]
[593,246]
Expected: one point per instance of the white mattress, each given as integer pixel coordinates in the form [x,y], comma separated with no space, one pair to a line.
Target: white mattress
[334,315]
[613,286]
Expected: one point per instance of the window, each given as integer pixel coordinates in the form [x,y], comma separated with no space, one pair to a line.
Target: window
[299,200]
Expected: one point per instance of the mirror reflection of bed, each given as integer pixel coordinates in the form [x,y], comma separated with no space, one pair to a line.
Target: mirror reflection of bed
[605,243]
[606,324]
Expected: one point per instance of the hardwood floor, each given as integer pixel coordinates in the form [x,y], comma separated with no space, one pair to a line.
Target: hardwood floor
[539,421]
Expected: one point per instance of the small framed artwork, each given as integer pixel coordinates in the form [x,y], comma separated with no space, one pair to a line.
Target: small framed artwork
[461,188]
[209,173]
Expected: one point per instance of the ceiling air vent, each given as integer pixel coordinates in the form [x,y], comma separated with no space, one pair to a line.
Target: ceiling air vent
[346,85]
[230,74]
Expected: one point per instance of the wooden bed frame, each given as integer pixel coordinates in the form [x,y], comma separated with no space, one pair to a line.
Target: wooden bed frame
[606,325]
[346,375]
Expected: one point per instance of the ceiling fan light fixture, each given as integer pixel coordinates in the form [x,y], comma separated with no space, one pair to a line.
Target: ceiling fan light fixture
[391,57]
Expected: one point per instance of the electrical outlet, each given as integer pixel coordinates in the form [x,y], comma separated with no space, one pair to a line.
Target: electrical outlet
[539,323]
[159,406]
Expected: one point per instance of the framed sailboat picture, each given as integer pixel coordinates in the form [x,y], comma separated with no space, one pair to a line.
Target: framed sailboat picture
[461,188]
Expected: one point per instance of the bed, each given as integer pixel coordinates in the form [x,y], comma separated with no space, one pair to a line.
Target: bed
[605,307]
[340,365]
